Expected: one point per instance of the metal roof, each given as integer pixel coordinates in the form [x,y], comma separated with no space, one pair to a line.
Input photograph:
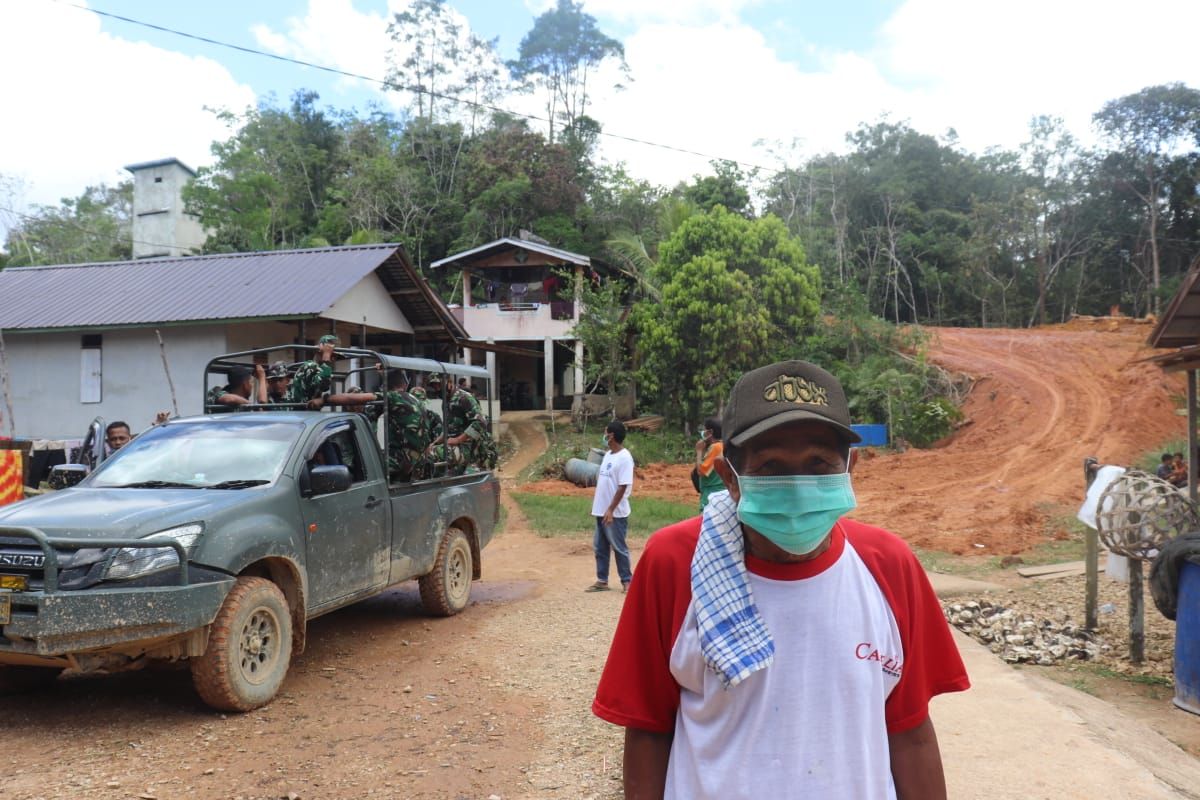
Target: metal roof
[508,241]
[271,285]
[1179,325]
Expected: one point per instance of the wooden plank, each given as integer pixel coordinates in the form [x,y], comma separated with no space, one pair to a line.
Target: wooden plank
[1050,569]
[1050,576]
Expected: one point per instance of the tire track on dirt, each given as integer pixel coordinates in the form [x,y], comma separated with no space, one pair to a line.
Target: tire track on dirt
[1043,400]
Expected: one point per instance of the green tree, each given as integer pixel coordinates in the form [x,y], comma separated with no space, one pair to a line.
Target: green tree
[564,47]
[426,36]
[95,226]
[603,327]
[1146,128]
[725,187]
[735,294]
[452,73]
[271,179]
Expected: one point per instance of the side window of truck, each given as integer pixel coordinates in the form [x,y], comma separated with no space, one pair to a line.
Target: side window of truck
[341,447]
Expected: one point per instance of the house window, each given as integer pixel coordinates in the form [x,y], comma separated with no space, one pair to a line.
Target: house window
[158,179]
[90,372]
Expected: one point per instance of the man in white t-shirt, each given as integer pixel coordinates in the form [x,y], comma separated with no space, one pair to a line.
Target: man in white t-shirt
[774,647]
[610,507]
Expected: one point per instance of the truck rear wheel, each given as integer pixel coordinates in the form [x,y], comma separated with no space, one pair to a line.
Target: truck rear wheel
[249,648]
[447,589]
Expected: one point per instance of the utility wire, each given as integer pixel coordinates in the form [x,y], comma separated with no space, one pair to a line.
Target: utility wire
[391,85]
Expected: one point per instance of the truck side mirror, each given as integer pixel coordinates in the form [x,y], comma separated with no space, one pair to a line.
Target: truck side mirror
[327,479]
[64,476]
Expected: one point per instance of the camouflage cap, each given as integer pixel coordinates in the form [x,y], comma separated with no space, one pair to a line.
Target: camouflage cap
[277,370]
[329,338]
[788,391]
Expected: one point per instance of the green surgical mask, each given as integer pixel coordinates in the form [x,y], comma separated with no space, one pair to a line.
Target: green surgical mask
[795,512]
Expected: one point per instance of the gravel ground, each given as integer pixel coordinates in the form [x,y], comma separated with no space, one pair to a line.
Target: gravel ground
[1061,600]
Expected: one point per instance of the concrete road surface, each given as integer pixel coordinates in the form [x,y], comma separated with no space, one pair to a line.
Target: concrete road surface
[1016,735]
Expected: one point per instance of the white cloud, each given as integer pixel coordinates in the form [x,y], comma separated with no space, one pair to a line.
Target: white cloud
[334,33]
[81,104]
[986,69]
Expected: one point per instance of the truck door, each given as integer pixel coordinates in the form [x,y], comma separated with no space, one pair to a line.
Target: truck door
[347,532]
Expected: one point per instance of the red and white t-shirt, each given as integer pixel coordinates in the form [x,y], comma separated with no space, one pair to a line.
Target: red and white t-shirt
[860,647]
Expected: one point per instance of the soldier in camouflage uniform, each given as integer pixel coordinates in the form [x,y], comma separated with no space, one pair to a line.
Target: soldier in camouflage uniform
[314,377]
[278,382]
[407,436]
[238,391]
[468,442]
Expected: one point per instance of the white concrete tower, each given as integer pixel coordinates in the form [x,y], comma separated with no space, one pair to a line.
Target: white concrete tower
[160,225]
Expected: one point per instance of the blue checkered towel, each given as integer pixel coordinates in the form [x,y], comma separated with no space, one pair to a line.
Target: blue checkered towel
[734,640]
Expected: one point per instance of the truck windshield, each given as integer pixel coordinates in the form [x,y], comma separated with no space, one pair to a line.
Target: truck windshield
[200,455]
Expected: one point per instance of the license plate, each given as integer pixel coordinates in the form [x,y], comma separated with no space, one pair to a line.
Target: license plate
[5,608]
[16,583]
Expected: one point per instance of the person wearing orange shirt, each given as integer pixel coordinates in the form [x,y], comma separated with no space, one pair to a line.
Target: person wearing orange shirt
[708,450]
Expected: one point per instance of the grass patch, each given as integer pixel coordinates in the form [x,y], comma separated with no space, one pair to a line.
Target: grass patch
[951,564]
[551,515]
[1142,680]
[661,446]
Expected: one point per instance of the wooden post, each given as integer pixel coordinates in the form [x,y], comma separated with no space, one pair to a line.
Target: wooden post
[548,373]
[1193,456]
[1137,613]
[1091,588]
[1091,555]
[162,351]
[12,423]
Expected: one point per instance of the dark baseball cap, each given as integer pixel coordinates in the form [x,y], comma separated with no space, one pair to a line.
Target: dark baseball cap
[789,391]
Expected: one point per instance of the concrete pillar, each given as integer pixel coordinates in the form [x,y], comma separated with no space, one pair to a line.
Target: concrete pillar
[548,367]
[466,276]
[468,357]
[493,391]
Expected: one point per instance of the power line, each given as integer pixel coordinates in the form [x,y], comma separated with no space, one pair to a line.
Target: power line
[391,85]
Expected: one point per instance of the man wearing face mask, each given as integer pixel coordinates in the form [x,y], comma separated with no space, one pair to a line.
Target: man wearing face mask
[774,647]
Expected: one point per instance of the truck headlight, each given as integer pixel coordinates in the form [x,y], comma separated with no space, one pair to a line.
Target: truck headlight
[131,562]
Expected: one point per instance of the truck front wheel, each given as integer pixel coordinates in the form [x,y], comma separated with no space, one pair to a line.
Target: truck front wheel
[249,648]
[447,589]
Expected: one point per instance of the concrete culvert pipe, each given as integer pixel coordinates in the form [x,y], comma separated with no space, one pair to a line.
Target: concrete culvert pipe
[580,472]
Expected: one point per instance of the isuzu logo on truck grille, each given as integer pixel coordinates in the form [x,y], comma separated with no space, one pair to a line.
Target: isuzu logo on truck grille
[22,560]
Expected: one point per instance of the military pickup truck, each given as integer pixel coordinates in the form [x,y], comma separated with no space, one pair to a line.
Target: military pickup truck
[216,538]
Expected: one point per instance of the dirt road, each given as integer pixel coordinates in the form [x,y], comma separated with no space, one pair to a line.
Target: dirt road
[1044,399]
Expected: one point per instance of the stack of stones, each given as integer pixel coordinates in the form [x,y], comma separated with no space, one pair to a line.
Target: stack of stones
[1022,638]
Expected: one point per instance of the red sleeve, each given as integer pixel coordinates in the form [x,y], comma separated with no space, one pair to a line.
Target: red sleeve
[636,688]
[932,665]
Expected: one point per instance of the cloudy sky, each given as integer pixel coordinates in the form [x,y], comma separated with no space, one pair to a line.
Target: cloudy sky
[85,95]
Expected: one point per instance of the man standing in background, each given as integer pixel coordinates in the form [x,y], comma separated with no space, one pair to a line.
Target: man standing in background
[610,507]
